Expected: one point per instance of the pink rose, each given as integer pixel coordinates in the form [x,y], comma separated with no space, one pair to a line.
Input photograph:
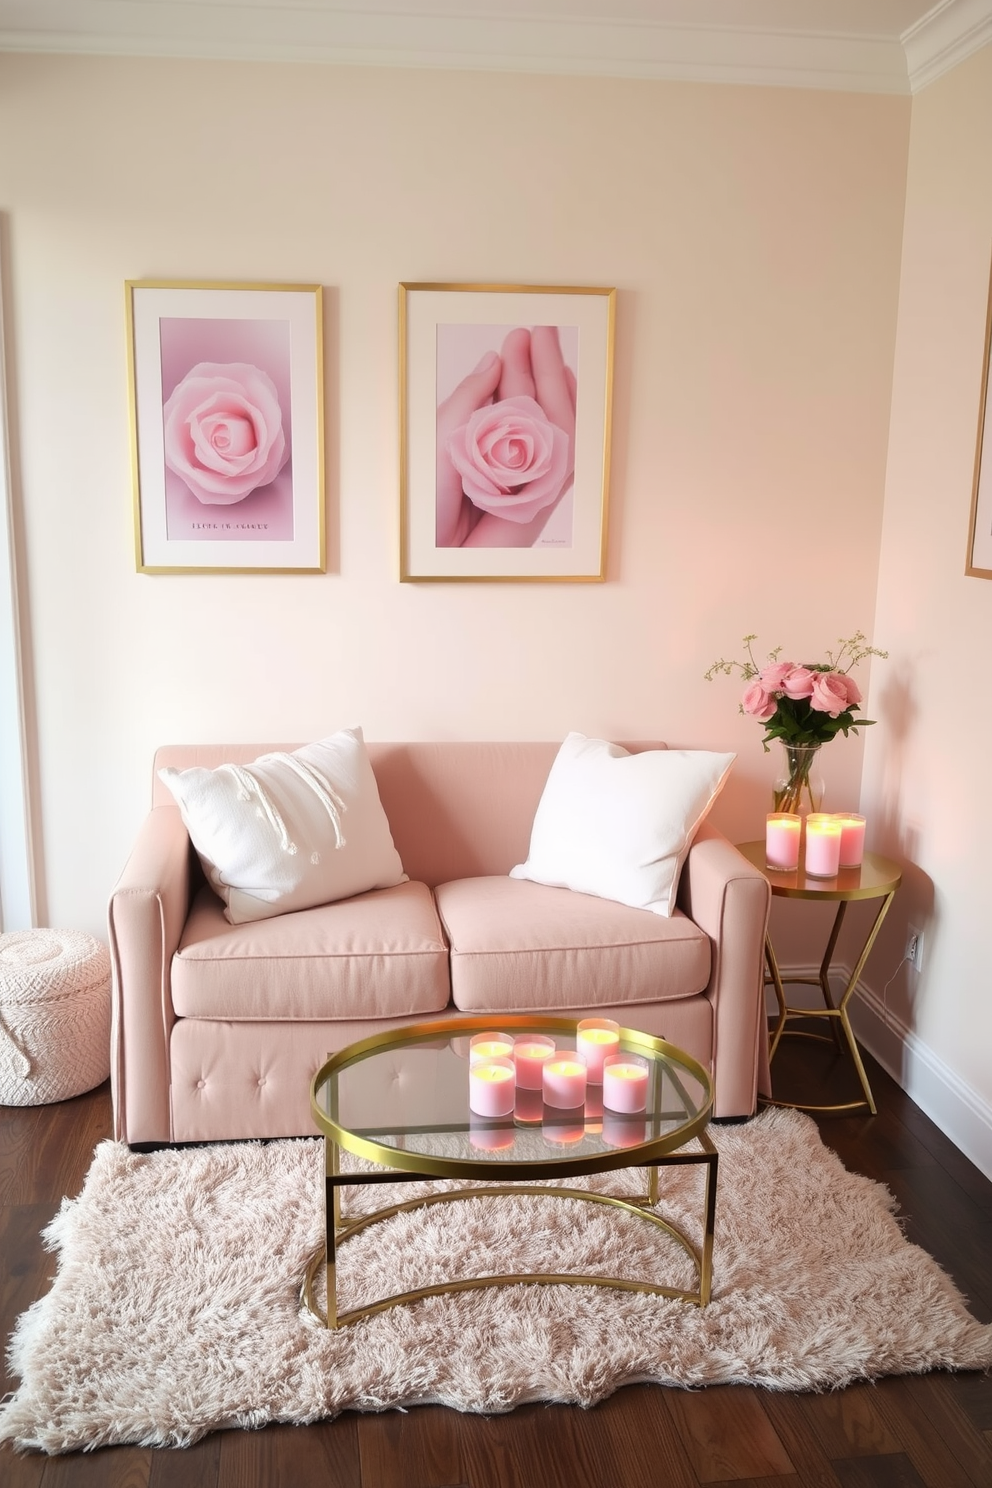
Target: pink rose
[223,431]
[850,687]
[758,703]
[798,683]
[772,677]
[829,693]
[512,460]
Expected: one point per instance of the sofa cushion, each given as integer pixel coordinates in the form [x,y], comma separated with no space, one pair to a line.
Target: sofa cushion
[289,830]
[619,825]
[378,955]
[519,947]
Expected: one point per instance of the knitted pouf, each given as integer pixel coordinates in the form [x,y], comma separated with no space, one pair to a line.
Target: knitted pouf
[54,1015]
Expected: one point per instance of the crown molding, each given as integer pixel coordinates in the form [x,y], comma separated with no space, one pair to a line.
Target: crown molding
[945,37]
[303,31]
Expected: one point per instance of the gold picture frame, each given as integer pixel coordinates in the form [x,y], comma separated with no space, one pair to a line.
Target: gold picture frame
[505,424]
[226,409]
[979,563]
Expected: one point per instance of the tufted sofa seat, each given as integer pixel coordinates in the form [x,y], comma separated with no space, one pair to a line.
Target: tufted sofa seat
[219,1028]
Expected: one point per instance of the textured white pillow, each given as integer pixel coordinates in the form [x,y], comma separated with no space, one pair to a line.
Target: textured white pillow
[289,830]
[619,825]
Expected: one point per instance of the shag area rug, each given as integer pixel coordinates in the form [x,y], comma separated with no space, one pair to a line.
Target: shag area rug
[175,1309]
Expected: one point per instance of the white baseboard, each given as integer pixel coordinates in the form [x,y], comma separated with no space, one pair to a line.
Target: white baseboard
[959,1111]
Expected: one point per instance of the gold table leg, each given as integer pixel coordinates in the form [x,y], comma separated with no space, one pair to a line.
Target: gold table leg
[833,1013]
[336,1231]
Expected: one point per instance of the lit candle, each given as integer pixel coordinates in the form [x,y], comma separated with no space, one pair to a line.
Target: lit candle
[783,830]
[529,1056]
[852,838]
[822,845]
[594,1039]
[490,1046]
[564,1081]
[491,1087]
[625,1084]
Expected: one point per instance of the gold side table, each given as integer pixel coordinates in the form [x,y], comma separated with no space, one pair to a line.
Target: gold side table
[877,878]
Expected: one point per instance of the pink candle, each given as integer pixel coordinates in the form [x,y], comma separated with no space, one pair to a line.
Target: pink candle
[564,1081]
[490,1046]
[625,1084]
[529,1055]
[594,1039]
[822,845]
[783,830]
[852,838]
[491,1087]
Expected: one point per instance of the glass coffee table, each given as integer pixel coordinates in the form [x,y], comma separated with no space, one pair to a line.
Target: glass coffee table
[400,1101]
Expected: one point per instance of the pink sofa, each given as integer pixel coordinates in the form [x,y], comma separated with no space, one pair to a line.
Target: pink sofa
[218,1029]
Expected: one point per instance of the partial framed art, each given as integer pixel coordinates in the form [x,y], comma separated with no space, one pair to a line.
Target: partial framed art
[227,451]
[979,563]
[505,411]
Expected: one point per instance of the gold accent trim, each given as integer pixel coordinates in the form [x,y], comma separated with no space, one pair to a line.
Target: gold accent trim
[397,1164]
[253,286]
[554,1167]
[877,878]
[701,1256]
[409,287]
[971,569]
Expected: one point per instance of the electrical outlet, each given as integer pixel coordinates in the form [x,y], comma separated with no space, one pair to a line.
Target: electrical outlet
[914,947]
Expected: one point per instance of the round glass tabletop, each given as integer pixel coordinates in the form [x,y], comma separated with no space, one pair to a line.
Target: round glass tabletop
[401,1100]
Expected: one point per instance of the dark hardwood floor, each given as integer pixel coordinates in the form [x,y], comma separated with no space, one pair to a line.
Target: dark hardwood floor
[933,1430]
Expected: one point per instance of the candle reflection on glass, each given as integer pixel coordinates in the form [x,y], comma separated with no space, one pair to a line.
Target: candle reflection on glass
[528,1107]
[623,1131]
[486,1136]
[563,1131]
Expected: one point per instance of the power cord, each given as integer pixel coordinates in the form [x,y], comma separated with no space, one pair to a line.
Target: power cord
[885,1005]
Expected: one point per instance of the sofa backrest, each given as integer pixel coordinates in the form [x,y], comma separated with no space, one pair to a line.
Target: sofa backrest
[456,809]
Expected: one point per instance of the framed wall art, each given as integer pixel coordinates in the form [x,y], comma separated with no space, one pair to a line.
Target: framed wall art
[979,563]
[226,393]
[505,407]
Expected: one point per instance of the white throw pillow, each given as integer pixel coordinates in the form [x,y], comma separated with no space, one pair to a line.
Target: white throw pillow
[619,825]
[289,831]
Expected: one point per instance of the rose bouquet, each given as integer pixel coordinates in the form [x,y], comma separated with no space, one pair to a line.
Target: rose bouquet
[802,704]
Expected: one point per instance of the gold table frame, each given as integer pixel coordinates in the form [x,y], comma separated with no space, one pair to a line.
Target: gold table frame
[518,1177]
[876,878]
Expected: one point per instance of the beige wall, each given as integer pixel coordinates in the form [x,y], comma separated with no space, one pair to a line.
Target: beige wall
[926,767]
[754,236]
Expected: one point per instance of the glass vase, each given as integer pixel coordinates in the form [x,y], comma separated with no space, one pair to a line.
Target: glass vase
[798,782]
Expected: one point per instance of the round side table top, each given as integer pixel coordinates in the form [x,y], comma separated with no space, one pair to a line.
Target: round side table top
[876,876]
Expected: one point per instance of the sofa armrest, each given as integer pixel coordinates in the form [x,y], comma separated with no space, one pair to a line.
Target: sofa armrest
[729,899]
[147,912]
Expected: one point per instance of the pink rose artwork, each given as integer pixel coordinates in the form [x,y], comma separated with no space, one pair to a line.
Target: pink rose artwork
[512,459]
[224,432]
